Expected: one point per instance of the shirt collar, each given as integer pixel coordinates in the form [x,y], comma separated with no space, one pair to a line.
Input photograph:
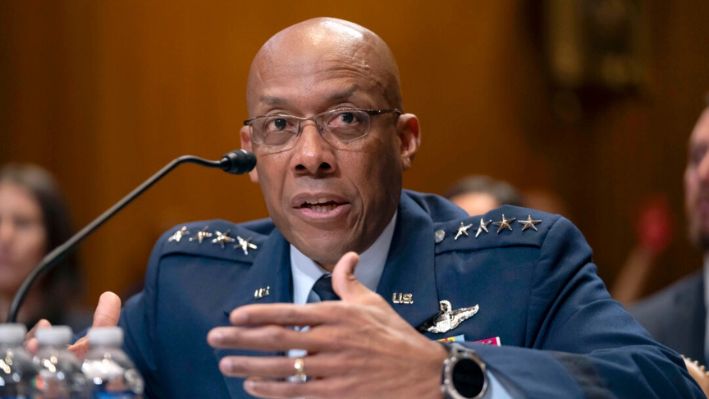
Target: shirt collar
[369,270]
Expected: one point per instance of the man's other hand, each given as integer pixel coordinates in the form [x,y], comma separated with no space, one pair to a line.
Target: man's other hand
[107,313]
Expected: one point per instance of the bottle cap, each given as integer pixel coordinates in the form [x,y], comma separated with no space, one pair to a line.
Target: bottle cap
[55,335]
[111,336]
[12,333]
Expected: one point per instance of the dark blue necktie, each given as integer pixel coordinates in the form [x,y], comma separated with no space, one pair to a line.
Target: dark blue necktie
[323,288]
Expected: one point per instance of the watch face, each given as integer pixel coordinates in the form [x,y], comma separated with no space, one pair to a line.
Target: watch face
[463,374]
[468,378]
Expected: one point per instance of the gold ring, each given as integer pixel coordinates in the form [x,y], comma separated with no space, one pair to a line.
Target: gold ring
[299,367]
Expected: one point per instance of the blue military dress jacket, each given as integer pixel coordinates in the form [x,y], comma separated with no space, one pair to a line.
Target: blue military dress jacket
[534,284]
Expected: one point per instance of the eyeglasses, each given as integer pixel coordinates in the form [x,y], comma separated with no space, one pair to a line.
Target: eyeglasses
[339,127]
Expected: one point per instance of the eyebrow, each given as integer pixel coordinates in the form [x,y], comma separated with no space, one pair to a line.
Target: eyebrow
[343,95]
[333,98]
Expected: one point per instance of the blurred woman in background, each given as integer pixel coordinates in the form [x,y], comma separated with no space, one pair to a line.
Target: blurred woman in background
[34,220]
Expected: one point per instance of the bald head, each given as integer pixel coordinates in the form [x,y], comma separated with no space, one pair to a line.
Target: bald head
[320,44]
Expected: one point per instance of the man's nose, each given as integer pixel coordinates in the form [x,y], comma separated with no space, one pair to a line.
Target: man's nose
[312,154]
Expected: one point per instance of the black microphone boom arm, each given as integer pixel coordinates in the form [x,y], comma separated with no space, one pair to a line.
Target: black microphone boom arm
[237,162]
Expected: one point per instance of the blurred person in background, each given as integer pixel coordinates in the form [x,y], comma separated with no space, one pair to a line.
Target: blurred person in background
[479,194]
[677,315]
[34,220]
[653,235]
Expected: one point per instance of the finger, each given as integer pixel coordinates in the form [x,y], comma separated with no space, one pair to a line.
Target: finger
[108,310]
[325,388]
[314,366]
[31,343]
[344,281]
[266,338]
[80,348]
[265,367]
[284,314]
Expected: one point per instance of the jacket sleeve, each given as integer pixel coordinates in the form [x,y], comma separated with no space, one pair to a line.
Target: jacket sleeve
[580,342]
[138,332]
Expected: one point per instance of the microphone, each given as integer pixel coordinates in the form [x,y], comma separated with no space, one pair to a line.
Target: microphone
[236,162]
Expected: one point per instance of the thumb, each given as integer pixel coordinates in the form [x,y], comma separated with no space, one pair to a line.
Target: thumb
[108,310]
[344,281]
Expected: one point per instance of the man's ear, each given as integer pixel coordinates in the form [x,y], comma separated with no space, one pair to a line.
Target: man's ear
[407,127]
[245,134]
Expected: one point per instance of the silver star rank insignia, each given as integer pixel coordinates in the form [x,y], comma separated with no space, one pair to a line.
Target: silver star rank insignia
[245,245]
[177,236]
[222,238]
[448,319]
[482,227]
[462,230]
[504,224]
[201,235]
[529,223]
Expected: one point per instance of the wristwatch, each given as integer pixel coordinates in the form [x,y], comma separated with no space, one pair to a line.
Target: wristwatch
[463,374]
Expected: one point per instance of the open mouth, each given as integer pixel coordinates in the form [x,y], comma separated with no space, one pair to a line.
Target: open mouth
[320,206]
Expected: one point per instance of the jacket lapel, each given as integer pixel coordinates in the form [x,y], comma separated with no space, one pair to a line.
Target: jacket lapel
[410,267]
[269,273]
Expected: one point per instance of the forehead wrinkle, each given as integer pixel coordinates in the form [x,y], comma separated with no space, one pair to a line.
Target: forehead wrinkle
[331,99]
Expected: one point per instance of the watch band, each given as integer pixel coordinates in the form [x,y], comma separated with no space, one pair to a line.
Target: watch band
[464,373]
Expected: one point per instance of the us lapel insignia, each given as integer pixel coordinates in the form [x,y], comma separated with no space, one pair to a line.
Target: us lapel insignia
[448,319]
[262,292]
[402,298]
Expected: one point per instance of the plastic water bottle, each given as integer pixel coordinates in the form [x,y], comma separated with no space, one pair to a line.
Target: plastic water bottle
[111,373]
[17,372]
[60,375]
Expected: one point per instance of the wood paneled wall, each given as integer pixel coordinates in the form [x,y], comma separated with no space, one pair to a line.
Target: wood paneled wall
[104,93]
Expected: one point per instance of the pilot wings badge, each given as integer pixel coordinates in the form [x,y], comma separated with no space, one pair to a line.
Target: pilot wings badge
[448,319]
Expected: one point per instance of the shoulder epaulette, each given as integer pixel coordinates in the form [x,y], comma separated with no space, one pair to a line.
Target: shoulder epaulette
[213,238]
[504,226]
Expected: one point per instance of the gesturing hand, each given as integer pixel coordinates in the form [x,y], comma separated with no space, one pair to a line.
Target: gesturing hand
[357,347]
[107,313]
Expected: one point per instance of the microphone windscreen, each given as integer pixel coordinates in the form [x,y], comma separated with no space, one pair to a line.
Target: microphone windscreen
[238,162]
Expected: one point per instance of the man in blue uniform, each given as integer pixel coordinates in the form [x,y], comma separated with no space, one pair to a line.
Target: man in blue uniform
[240,310]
